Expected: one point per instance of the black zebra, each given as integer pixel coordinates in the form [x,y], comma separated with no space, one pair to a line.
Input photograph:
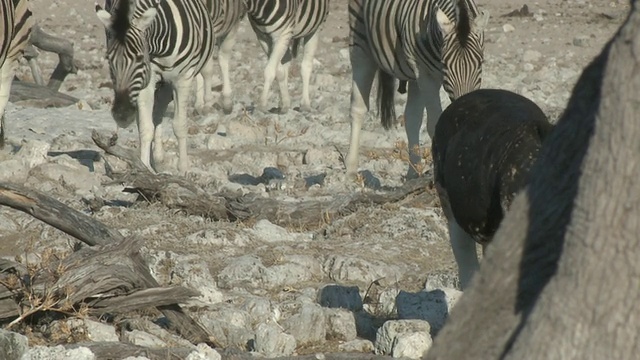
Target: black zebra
[15,26]
[149,43]
[227,16]
[427,43]
[278,22]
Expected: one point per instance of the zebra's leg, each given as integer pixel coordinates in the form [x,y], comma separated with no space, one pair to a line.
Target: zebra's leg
[430,88]
[203,86]
[277,49]
[413,113]
[464,251]
[223,60]
[282,74]
[306,68]
[6,76]
[145,122]
[180,98]
[363,73]
[162,98]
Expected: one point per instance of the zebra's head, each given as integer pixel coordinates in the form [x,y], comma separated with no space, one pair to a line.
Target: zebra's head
[128,55]
[462,49]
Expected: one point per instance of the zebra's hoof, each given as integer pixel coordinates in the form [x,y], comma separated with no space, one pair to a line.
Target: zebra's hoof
[305,108]
[227,107]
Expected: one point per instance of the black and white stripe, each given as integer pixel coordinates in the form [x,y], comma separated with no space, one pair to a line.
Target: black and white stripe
[16,22]
[149,43]
[278,22]
[226,16]
[425,43]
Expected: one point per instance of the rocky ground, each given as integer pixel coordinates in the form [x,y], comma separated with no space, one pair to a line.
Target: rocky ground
[273,290]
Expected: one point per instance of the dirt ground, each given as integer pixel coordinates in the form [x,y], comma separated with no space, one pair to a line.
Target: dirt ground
[539,55]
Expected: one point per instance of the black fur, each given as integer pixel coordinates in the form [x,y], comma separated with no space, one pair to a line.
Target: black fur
[463,23]
[121,20]
[386,99]
[484,146]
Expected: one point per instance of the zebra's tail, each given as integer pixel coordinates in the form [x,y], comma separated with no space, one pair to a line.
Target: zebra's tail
[2,131]
[386,107]
[295,45]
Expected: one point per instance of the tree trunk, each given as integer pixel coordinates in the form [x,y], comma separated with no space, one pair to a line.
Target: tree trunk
[562,278]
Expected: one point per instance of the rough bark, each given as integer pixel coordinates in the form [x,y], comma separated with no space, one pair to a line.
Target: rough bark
[179,193]
[561,279]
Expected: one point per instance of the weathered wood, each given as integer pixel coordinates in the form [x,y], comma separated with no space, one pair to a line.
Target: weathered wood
[38,95]
[93,232]
[57,214]
[60,46]
[179,193]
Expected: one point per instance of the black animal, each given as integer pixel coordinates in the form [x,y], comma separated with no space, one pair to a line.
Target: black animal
[484,145]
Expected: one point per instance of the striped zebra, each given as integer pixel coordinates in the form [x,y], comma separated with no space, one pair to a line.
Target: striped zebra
[280,26]
[153,44]
[15,26]
[227,16]
[425,43]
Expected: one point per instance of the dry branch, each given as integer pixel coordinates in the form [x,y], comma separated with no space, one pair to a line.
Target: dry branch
[60,46]
[179,193]
[115,269]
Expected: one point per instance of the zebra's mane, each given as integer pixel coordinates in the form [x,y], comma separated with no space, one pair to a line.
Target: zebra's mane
[121,19]
[463,23]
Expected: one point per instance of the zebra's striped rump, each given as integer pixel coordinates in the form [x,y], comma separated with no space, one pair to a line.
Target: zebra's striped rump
[16,21]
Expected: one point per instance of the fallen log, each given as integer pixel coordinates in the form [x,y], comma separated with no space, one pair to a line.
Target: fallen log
[178,193]
[40,96]
[93,277]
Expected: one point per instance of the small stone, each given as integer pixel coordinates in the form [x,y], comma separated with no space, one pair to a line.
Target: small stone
[528,67]
[581,41]
[97,331]
[531,56]
[508,28]
[344,54]
[204,352]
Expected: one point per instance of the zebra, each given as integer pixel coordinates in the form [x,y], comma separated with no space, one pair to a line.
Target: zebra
[155,43]
[427,43]
[15,26]
[227,16]
[280,26]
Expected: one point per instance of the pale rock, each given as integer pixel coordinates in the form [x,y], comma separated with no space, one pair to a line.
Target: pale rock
[308,326]
[358,345]
[33,152]
[12,345]
[58,353]
[204,352]
[508,28]
[271,341]
[403,338]
[531,56]
[142,338]
[100,332]
[341,325]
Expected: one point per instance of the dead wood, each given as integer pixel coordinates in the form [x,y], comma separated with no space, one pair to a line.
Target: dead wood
[38,95]
[58,215]
[115,270]
[60,46]
[179,193]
